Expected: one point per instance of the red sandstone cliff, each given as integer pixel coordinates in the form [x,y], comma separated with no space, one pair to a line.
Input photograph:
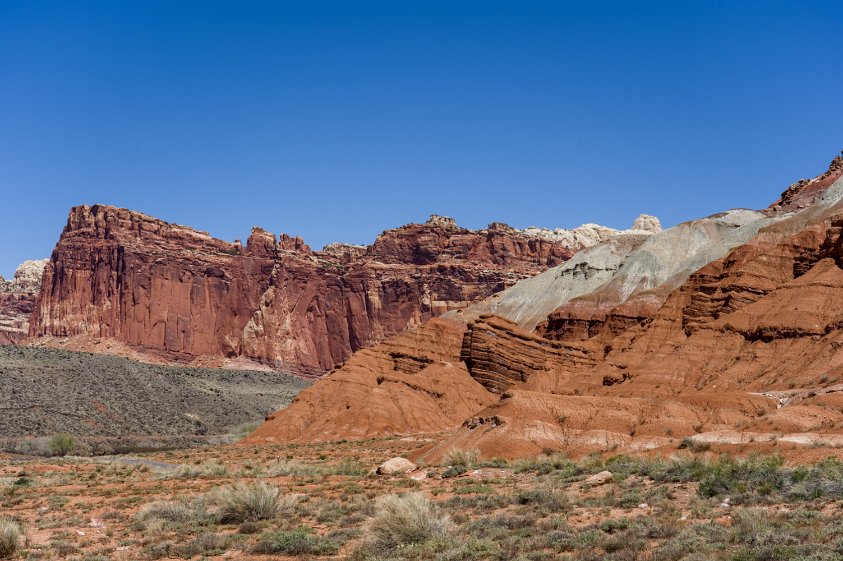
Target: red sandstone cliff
[179,293]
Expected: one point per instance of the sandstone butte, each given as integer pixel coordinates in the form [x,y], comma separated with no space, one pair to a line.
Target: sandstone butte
[123,282]
[726,329]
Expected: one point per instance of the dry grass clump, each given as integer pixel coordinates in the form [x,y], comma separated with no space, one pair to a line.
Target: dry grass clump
[182,511]
[231,504]
[11,536]
[211,469]
[299,541]
[462,458]
[401,520]
[242,502]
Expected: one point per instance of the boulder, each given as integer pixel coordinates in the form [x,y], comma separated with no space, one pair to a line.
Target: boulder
[395,466]
[599,479]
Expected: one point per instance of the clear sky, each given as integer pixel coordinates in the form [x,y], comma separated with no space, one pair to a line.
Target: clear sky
[335,120]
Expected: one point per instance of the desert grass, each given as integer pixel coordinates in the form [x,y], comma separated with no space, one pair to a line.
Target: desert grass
[402,520]
[248,502]
[11,537]
[317,504]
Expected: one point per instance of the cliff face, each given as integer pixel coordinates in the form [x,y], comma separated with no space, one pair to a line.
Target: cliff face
[179,293]
[318,310]
[174,290]
[805,192]
[18,300]
[665,261]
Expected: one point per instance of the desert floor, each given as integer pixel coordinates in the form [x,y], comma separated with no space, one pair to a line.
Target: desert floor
[324,501]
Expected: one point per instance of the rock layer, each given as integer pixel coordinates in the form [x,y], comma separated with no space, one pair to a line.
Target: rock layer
[500,355]
[178,293]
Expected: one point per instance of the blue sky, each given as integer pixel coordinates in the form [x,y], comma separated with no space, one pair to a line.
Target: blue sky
[337,120]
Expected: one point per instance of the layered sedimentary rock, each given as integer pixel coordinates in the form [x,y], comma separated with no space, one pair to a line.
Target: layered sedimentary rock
[170,289]
[735,336]
[528,423]
[18,300]
[529,301]
[748,346]
[499,354]
[178,293]
[650,272]
[412,383]
[432,377]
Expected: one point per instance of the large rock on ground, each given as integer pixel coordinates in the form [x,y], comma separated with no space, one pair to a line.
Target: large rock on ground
[395,466]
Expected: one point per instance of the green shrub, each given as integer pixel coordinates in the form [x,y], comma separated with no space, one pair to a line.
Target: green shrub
[205,544]
[681,470]
[300,541]
[454,471]
[546,500]
[61,444]
[558,464]
[745,480]
[825,479]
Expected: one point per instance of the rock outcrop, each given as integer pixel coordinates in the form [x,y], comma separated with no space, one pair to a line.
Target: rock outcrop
[666,261]
[177,293]
[748,344]
[499,354]
[18,300]
[717,331]
[589,235]
[650,272]
[411,383]
[806,192]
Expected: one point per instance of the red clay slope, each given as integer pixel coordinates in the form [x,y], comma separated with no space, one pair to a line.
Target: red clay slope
[411,383]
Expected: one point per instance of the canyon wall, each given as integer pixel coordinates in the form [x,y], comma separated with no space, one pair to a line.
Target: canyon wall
[177,293]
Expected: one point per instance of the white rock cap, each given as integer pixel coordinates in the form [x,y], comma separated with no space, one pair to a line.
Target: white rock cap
[647,223]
